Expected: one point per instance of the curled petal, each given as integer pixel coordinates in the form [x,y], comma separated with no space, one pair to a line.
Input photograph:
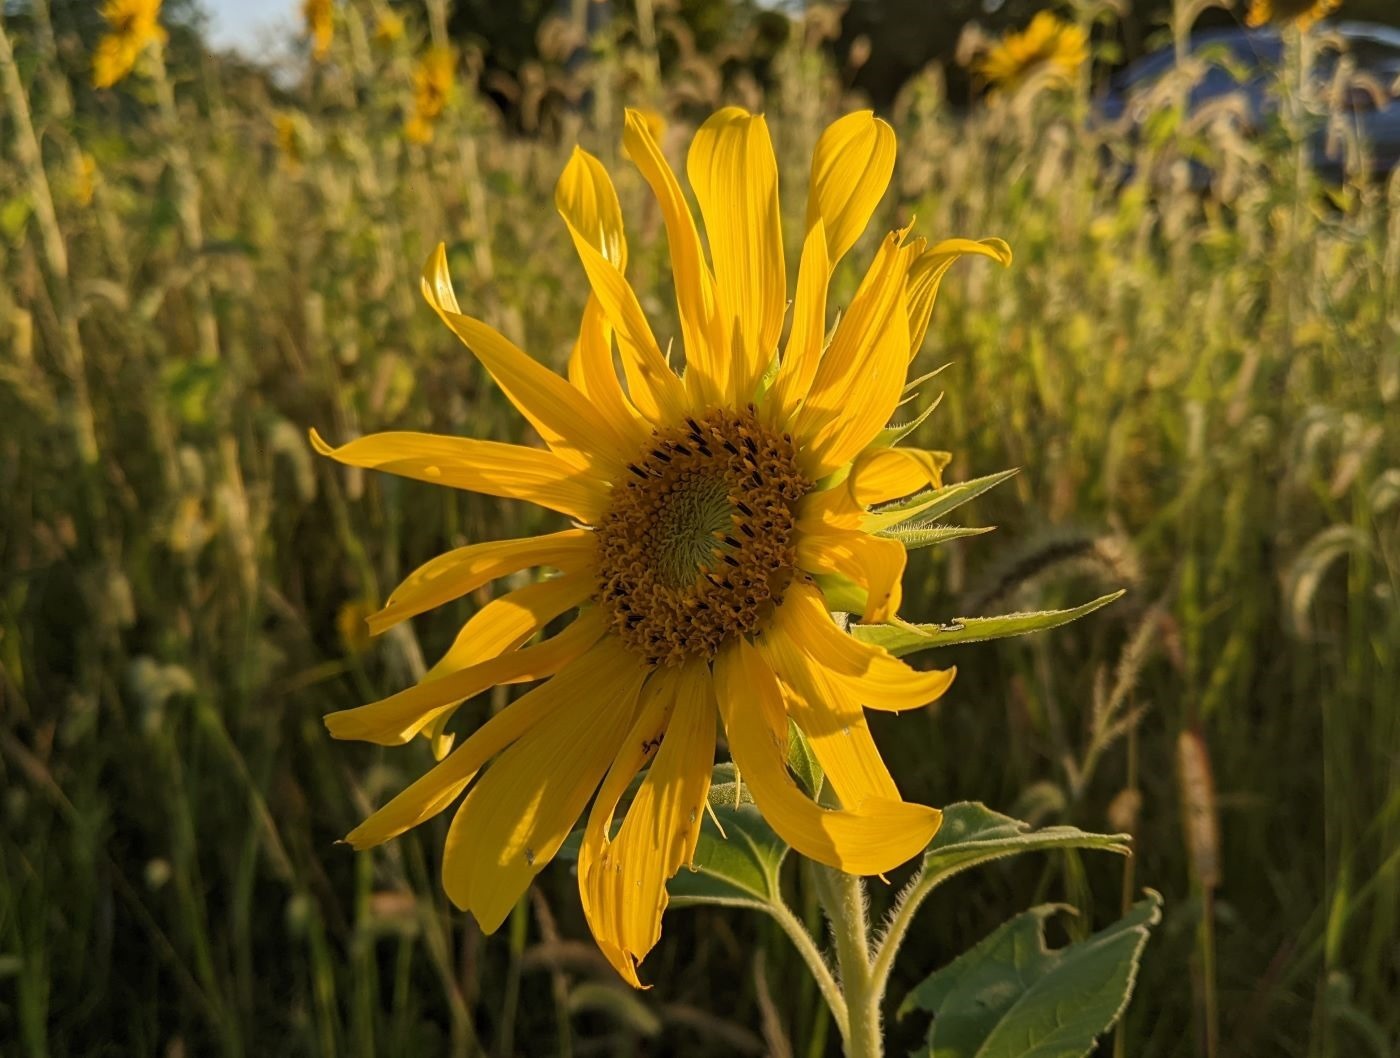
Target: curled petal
[877,837]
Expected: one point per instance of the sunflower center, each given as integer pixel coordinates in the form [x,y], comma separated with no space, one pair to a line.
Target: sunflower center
[697,545]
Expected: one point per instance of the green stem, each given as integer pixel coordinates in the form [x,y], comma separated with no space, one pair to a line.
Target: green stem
[898,926]
[807,948]
[843,898]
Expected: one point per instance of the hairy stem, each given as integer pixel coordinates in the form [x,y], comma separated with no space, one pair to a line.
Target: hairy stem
[807,948]
[843,898]
[898,927]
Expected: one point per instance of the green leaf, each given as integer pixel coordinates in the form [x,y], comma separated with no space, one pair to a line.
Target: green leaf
[803,762]
[842,593]
[973,834]
[725,787]
[934,504]
[901,639]
[1013,997]
[914,537]
[740,868]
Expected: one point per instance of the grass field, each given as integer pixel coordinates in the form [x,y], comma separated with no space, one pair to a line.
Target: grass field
[1201,388]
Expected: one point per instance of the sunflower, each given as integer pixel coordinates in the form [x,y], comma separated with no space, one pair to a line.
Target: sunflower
[1302,13]
[1049,47]
[712,510]
[388,26]
[319,16]
[132,24]
[433,82]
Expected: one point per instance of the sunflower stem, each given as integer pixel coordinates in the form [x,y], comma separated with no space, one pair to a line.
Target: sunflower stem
[812,956]
[843,899]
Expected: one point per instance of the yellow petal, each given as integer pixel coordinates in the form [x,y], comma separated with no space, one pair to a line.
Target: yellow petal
[625,879]
[395,720]
[876,563]
[869,673]
[639,746]
[831,508]
[441,786]
[706,344]
[832,719]
[450,576]
[877,838]
[586,197]
[514,820]
[851,167]
[566,419]
[735,176]
[592,370]
[501,625]
[654,387]
[488,467]
[882,474]
[807,338]
[927,273]
[861,376]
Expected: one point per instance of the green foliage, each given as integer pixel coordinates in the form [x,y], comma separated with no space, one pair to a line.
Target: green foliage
[1013,997]
[738,868]
[903,639]
[923,509]
[1205,375]
[972,834]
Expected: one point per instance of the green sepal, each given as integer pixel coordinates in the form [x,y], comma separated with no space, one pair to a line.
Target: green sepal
[916,536]
[933,504]
[841,593]
[892,435]
[803,763]
[902,639]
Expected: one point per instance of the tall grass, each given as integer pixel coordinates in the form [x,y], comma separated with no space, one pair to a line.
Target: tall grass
[1201,386]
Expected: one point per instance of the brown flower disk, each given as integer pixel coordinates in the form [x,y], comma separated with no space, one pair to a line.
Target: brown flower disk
[697,544]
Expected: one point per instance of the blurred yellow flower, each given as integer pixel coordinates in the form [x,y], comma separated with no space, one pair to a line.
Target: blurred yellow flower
[1302,13]
[131,25]
[84,179]
[350,623]
[433,83]
[320,24]
[1049,47]
[388,26]
[710,512]
[288,139]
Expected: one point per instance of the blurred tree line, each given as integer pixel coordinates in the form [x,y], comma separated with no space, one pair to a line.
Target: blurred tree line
[881,43]
[904,36]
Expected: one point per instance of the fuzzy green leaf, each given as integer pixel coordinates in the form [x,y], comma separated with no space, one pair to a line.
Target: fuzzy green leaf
[803,762]
[902,639]
[740,868]
[934,504]
[914,537]
[1013,997]
[973,834]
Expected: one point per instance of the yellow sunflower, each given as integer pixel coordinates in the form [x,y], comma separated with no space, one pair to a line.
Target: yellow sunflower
[319,16]
[710,509]
[388,26]
[132,25]
[433,82]
[1302,13]
[1049,47]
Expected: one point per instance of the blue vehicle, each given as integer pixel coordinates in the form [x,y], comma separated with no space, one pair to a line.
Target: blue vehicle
[1242,69]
